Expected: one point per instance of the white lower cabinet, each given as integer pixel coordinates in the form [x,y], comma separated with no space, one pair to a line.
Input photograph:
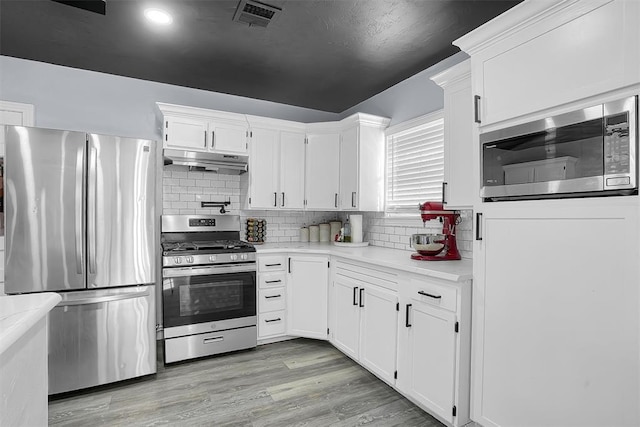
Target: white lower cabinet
[434,348]
[556,328]
[272,297]
[364,320]
[307,281]
[411,331]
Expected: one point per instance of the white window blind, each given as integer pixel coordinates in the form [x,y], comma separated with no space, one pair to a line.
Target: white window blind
[415,165]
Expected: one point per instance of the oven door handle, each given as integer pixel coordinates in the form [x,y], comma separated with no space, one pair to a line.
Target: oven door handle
[209,270]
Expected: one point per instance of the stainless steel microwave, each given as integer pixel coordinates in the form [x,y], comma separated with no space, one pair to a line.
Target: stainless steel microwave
[589,152]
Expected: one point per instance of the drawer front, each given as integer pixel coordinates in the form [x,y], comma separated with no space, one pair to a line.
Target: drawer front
[271,300]
[434,294]
[272,263]
[271,324]
[272,280]
[367,274]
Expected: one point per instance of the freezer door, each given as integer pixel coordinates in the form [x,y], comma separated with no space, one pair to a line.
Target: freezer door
[44,207]
[101,336]
[121,246]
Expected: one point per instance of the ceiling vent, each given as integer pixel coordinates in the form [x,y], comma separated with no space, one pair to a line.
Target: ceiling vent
[255,13]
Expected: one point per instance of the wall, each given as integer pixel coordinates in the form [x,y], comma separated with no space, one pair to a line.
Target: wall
[83,100]
[411,98]
[73,99]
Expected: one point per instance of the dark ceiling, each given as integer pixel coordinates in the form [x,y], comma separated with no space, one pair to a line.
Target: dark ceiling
[320,54]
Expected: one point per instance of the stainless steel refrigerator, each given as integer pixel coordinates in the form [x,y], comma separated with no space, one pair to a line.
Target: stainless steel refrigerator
[80,221]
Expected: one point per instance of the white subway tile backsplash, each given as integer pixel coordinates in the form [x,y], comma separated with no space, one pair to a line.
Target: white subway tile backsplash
[183,191]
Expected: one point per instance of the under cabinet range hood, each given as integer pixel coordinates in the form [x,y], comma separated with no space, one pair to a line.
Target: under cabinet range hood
[228,164]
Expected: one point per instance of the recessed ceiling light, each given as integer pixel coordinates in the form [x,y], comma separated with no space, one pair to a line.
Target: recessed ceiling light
[158,16]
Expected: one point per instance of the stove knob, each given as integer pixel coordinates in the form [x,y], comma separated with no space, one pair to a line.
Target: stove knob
[212,258]
[177,260]
[233,257]
[190,259]
[243,256]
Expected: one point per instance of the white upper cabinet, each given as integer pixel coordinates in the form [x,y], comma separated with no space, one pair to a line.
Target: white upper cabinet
[185,133]
[461,185]
[292,150]
[228,137]
[198,129]
[322,171]
[276,169]
[539,55]
[264,169]
[362,163]
[348,194]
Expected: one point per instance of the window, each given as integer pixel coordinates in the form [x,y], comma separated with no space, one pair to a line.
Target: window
[415,164]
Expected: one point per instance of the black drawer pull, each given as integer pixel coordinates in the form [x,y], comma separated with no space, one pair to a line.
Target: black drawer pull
[273,281]
[272,265]
[272,296]
[272,320]
[429,295]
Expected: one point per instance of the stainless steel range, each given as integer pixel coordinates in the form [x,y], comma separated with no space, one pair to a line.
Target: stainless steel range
[208,286]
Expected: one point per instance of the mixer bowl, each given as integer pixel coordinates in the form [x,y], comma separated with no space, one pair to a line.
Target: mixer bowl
[428,244]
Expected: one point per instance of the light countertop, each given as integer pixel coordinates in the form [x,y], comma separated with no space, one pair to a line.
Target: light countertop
[18,313]
[457,271]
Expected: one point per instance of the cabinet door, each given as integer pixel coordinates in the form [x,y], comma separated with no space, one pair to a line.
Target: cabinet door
[307,283]
[550,305]
[348,194]
[345,324]
[460,175]
[322,171]
[292,149]
[430,358]
[562,64]
[186,133]
[379,331]
[264,169]
[228,138]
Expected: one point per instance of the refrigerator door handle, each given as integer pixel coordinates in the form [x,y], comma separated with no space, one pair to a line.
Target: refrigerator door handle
[100,300]
[79,199]
[92,210]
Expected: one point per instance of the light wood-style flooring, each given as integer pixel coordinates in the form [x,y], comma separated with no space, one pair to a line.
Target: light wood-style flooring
[293,383]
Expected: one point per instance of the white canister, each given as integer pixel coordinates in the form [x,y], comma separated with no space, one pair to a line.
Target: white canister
[314,233]
[304,234]
[335,229]
[325,232]
[356,228]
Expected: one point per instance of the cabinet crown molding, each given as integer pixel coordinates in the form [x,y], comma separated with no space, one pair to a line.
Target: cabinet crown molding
[525,16]
[457,73]
[205,113]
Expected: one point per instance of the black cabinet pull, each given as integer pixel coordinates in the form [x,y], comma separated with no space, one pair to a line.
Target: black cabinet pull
[353,199]
[478,222]
[289,264]
[406,321]
[355,292]
[361,304]
[205,139]
[476,109]
[336,200]
[444,192]
[272,320]
[272,265]
[275,199]
[283,199]
[272,296]
[273,281]
[429,295]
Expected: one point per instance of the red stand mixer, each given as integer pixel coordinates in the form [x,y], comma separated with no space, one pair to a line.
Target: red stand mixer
[437,247]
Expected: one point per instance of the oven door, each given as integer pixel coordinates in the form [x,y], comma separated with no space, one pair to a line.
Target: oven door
[204,299]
